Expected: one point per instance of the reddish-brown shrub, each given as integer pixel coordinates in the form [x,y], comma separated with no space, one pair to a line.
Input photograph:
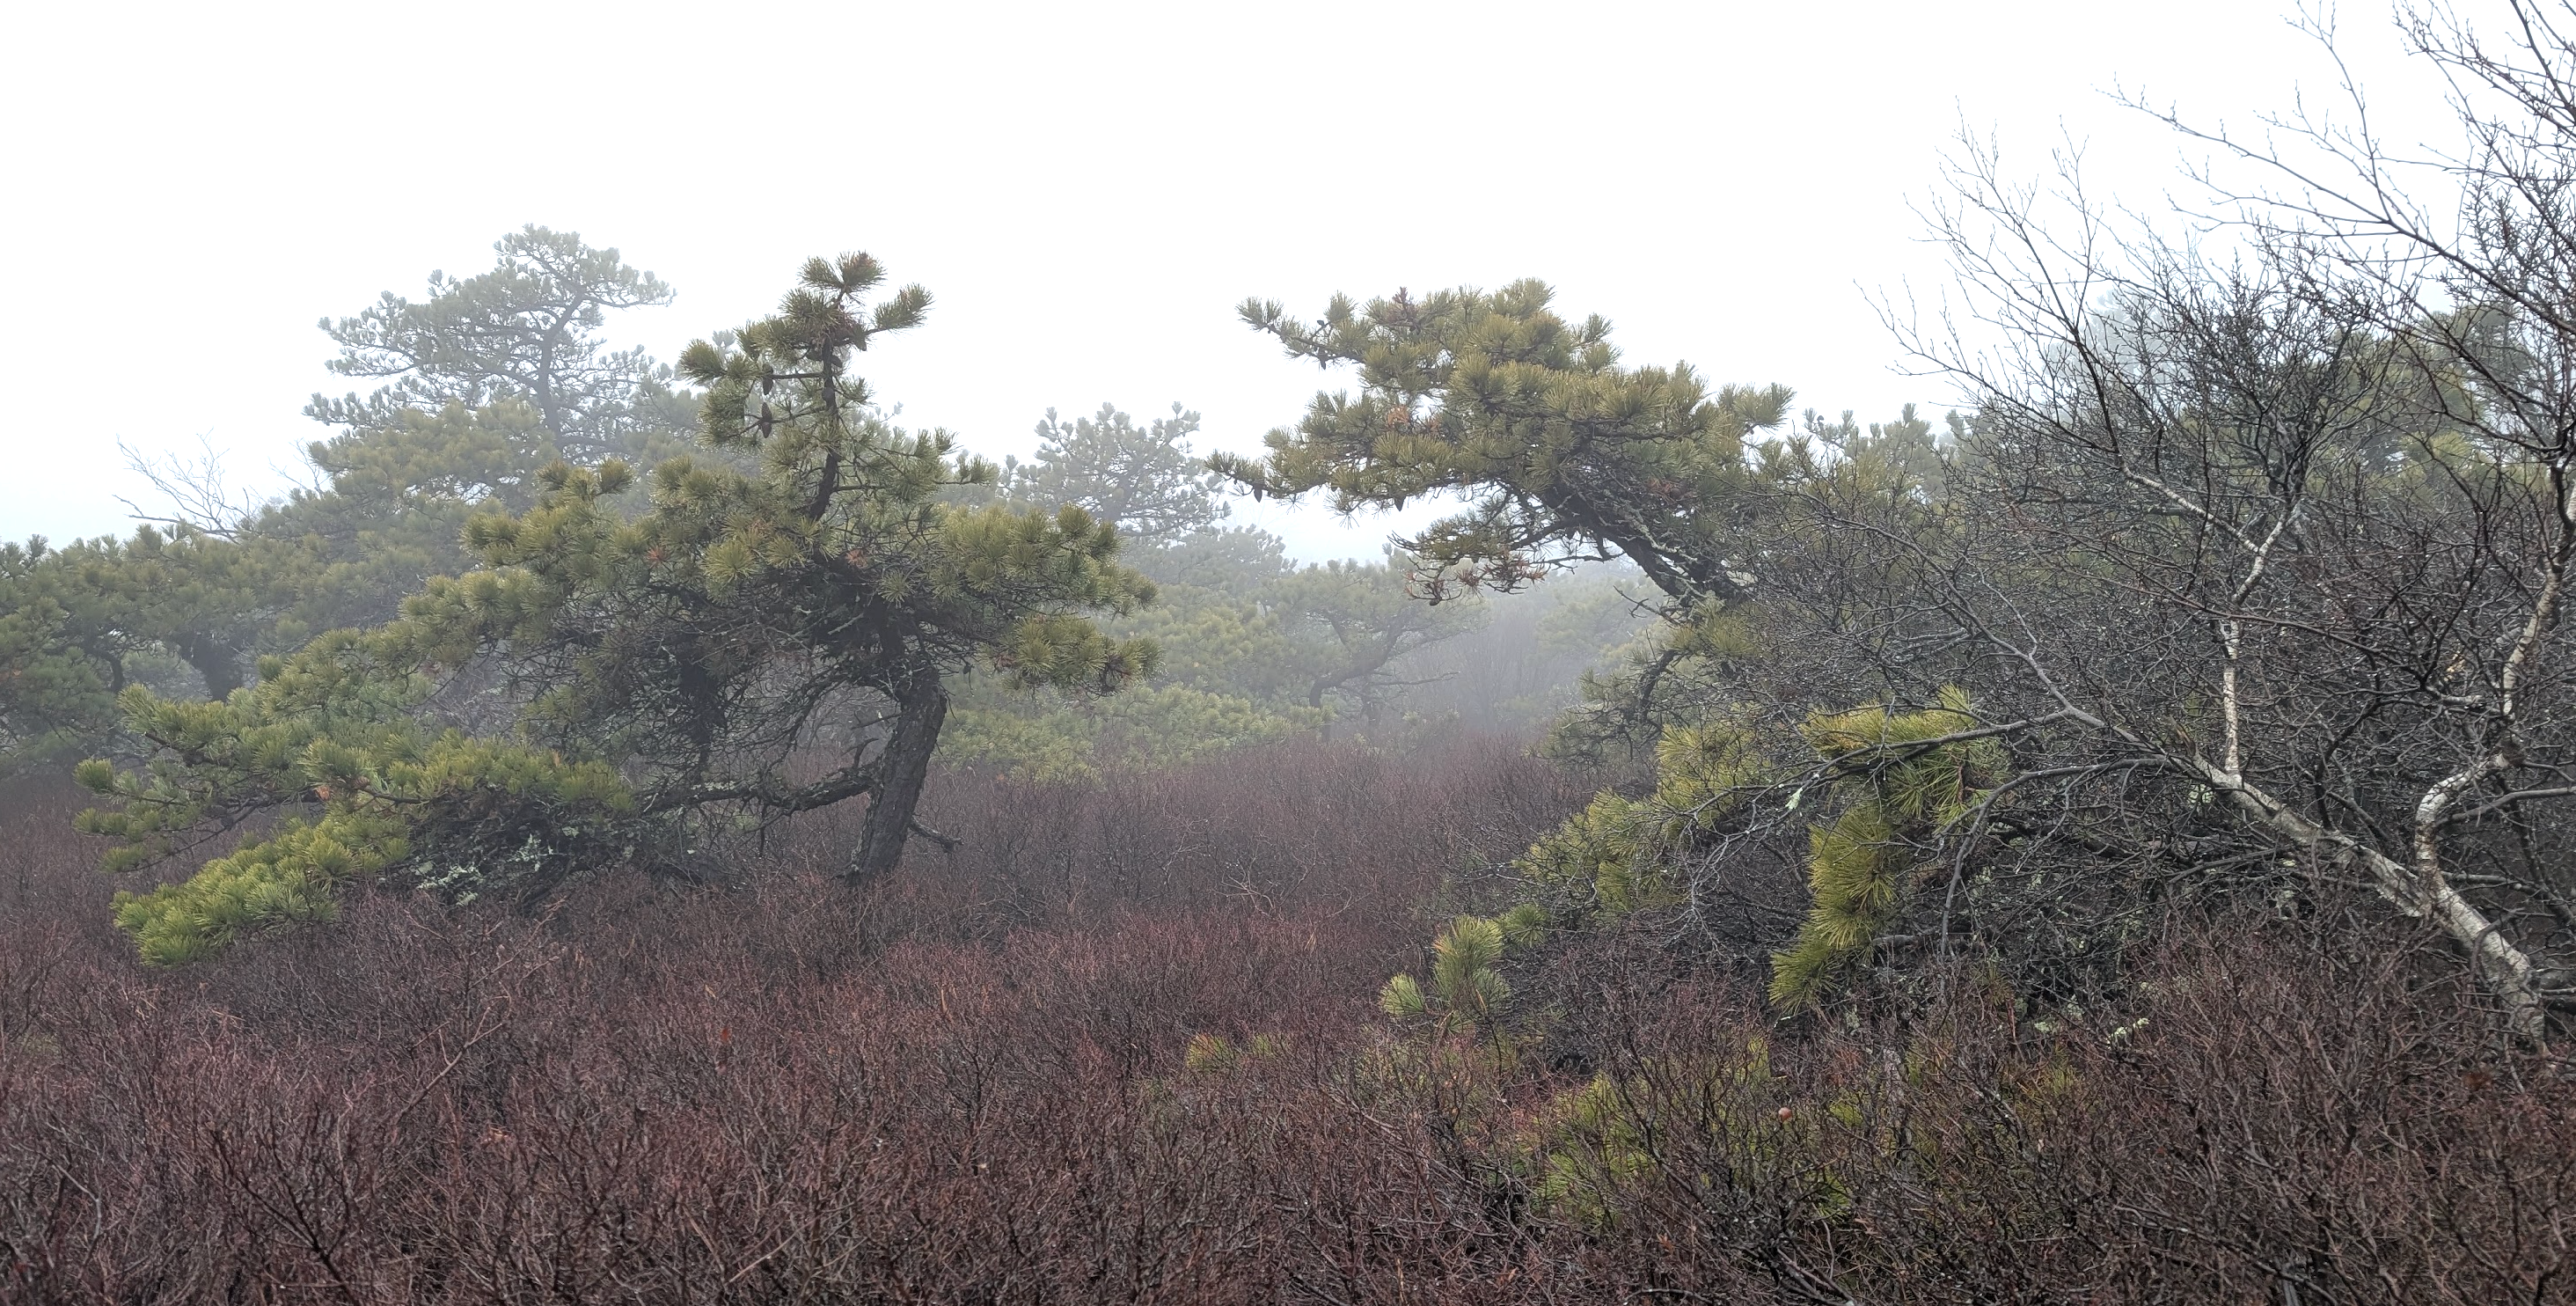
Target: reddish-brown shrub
[967,1085]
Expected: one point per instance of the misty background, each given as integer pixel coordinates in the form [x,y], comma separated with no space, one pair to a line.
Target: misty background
[1087,190]
[2115,844]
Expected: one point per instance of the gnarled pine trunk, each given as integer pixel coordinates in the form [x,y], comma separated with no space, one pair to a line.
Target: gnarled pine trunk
[901,770]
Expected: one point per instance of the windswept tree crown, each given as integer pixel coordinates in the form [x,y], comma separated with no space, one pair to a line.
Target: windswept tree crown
[1561,453]
[771,636]
[526,330]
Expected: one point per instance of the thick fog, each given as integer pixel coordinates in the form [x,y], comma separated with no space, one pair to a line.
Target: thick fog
[660,832]
[1088,190]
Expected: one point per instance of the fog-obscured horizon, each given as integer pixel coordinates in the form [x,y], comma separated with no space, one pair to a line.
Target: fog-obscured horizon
[1087,194]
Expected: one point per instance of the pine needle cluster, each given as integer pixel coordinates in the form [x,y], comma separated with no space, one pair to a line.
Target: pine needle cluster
[797,581]
[1891,784]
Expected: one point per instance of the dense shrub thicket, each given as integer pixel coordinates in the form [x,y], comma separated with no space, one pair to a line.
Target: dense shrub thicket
[2111,847]
[1126,1049]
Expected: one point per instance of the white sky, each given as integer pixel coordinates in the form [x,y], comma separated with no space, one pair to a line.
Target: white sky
[1087,190]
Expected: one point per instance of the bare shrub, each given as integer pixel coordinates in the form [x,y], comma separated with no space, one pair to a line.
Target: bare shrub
[959,1087]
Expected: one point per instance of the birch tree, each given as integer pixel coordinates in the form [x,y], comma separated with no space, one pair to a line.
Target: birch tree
[2310,477]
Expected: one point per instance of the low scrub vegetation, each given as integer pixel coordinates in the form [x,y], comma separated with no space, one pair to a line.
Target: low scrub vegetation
[1133,1051]
[670,834]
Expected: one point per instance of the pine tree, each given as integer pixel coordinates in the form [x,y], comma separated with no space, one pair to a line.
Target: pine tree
[1233,669]
[1355,625]
[1561,452]
[800,587]
[1144,480]
[106,613]
[464,426]
[526,330]
[1889,791]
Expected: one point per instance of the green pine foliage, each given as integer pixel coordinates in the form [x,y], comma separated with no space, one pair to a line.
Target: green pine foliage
[1902,793]
[1224,676]
[490,380]
[1253,648]
[801,586]
[1362,623]
[1215,1054]
[1888,787]
[1622,854]
[1562,452]
[333,739]
[1466,988]
[528,331]
[1590,1145]
[1144,480]
[55,695]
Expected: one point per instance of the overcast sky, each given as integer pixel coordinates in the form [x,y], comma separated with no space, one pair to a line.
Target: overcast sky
[1087,190]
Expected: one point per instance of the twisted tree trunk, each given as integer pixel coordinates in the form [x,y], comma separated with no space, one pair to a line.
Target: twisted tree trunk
[901,769]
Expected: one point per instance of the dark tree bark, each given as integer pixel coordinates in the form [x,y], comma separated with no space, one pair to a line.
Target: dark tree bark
[218,662]
[901,771]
